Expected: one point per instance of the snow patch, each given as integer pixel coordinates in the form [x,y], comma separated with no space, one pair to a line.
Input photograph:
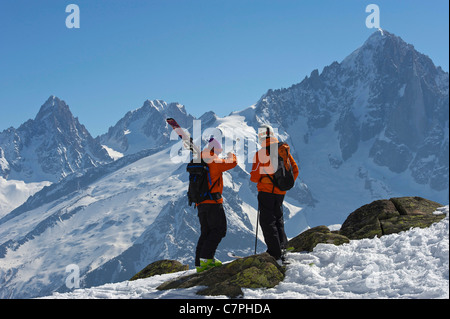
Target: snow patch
[115,155]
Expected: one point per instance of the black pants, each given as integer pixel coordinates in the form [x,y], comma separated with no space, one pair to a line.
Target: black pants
[213,225]
[272,222]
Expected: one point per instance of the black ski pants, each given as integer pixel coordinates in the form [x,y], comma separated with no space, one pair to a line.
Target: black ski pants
[213,225]
[272,222]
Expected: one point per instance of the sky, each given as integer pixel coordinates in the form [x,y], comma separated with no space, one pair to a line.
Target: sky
[205,54]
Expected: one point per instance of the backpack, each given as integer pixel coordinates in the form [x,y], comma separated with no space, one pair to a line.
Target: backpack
[199,181]
[283,178]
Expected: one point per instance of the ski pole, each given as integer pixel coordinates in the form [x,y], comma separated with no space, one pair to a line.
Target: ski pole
[257,226]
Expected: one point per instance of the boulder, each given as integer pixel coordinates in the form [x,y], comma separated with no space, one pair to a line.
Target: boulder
[308,239]
[160,267]
[415,206]
[383,217]
[365,221]
[257,271]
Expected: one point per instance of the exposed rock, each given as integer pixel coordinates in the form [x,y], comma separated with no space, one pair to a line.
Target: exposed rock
[383,217]
[160,267]
[415,205]
[307,240]
[257,271]
[365,221]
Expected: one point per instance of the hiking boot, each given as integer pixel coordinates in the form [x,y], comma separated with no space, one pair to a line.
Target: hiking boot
[206,264]
[284,251]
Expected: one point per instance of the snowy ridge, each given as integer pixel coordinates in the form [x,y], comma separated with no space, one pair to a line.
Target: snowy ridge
[410,264]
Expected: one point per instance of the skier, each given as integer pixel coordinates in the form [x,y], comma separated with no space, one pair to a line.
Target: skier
[211,214]
[270,197]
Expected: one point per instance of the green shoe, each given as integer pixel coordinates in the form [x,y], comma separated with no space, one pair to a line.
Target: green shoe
[206,264]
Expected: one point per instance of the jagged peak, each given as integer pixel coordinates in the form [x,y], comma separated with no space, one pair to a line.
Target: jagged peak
[208,116]
[163,107]
[50,106]
[380,36]
[377,43]
[158,105]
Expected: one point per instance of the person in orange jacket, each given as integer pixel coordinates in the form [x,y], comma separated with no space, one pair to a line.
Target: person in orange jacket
[270,198]
[213,223]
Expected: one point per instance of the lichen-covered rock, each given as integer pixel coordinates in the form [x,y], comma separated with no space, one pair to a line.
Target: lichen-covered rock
[309,239]
[365,221]
[257,271]
[415,206]
[383,217]
[402,223]
[160,267]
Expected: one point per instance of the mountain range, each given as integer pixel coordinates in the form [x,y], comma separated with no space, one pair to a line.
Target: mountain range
[372,126]
[50,147]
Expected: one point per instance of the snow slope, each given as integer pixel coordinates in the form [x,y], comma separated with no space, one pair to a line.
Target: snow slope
[411,264]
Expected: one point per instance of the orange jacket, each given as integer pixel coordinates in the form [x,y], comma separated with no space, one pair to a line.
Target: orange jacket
[262,167]
[216,167]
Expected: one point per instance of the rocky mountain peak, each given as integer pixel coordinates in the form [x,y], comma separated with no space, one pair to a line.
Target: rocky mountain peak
[384,94]
[51,146]
[145,127]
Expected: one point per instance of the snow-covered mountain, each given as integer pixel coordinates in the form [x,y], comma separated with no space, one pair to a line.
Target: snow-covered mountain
[373,126]
[144,127]
[50,147]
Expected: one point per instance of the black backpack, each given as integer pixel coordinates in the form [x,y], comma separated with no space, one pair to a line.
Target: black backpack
[199,181]
[283,178]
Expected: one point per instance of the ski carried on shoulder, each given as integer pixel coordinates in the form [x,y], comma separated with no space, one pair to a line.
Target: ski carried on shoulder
[188,142]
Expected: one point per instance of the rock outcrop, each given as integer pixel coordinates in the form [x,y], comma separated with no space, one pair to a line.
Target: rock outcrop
[160,267]
[307,240]
[257,271]
[383,217]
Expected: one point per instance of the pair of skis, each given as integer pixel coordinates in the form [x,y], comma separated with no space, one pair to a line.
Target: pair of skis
[188,142]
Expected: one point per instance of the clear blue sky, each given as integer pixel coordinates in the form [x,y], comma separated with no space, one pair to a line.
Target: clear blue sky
[205,54]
